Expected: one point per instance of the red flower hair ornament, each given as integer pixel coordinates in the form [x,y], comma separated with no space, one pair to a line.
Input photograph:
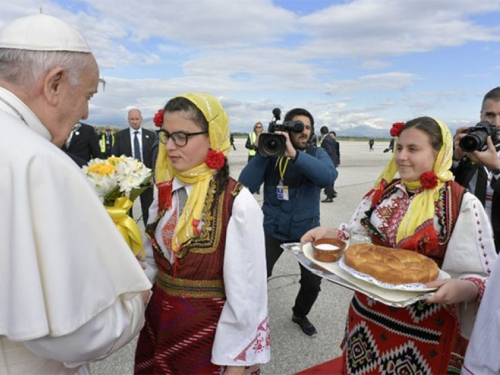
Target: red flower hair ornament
[428,180]
[158,119]
[396,129]
[215,159]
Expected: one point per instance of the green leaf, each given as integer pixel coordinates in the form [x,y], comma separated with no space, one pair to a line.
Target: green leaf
[109,199]
[145,184]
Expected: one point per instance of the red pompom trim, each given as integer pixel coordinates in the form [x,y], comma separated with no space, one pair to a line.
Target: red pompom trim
[396,129]
[195,224]
[377,194]
[428,180]
[158,119]
[164,196]
[215,159]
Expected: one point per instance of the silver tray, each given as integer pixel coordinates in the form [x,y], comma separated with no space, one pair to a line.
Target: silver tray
[335,274]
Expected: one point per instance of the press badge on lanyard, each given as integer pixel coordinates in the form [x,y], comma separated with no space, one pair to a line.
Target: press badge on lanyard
[281,189]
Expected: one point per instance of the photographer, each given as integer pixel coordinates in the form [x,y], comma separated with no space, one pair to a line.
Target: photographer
[479,170]
[292,186]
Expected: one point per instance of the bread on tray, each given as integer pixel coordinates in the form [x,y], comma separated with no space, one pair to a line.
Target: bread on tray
[391,266]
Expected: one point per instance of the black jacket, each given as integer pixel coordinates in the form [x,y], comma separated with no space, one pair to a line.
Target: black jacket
[84,145]
[331,147]
[123,145]
[467,171]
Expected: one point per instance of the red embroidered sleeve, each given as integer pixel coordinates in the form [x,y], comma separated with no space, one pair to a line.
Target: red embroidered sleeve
[480,285]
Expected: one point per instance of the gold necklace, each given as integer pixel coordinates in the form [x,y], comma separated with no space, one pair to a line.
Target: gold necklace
[14,109]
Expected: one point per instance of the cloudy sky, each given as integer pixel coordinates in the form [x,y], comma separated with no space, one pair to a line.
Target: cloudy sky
[349,62]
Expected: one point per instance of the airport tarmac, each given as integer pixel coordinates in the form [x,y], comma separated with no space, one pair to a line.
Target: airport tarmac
[291,350]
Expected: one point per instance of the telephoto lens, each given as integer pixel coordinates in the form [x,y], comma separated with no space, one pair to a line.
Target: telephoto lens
[473,142]
[476,139]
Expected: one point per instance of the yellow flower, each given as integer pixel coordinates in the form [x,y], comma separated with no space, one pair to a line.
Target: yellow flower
[102,169]
[115,159]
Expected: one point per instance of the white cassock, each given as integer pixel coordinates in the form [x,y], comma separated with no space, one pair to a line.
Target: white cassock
[482,356]
[70,286]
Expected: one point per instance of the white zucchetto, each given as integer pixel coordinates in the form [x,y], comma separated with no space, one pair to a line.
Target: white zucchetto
[42,33]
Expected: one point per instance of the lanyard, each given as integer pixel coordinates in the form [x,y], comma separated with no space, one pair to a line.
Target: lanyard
[282,168]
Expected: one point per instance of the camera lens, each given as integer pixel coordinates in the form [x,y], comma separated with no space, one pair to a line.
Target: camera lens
[471,142]
[272,145]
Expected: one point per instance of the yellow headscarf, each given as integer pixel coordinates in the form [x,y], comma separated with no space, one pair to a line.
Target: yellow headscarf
[422,207]
[199,176]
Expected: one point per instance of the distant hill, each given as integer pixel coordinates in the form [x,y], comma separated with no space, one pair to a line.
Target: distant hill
[363,131]
[357,132]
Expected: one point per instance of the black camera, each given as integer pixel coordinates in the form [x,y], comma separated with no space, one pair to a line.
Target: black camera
[475,140]
[275,144]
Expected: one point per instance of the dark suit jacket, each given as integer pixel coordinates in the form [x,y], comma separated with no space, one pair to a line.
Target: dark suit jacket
[332,149]
[336,159]
[464,173]
[84,145]
[123,145]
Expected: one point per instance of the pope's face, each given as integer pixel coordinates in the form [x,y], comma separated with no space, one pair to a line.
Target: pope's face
[73,104]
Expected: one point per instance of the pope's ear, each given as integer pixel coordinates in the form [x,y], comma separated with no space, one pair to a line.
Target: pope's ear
[52,84]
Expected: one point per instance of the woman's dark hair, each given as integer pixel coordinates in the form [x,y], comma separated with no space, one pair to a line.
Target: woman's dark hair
[181,104]
[430,127]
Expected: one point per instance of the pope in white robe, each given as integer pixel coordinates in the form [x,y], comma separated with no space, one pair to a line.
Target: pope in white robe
[71,291]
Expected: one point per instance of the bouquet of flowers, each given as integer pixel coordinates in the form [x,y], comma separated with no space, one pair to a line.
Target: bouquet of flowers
[119,181]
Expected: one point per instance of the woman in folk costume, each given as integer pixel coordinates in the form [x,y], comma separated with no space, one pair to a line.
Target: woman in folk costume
[423,211]
[208,312]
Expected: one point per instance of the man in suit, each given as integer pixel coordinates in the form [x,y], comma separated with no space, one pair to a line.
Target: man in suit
[479,171]
[336,157]
[82,144]
[137,142]
[330,146]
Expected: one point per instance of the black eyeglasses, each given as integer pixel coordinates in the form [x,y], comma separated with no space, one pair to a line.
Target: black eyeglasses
[180,139]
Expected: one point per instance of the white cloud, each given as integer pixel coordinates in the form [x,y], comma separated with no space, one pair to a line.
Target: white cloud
[387,55]
[383,81]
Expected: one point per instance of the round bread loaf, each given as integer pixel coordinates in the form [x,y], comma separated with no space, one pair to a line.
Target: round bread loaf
[392,266]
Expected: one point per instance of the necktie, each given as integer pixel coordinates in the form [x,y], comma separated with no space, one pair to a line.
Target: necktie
[137,147]
[182,199]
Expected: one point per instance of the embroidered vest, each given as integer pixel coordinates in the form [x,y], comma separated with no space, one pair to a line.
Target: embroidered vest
[447,211]
[198,268]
